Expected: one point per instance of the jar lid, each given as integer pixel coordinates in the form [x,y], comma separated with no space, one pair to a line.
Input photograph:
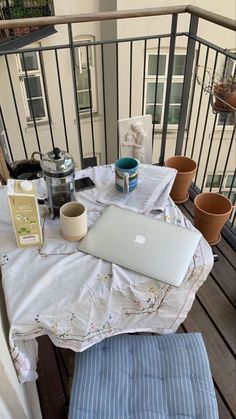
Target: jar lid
[57,163]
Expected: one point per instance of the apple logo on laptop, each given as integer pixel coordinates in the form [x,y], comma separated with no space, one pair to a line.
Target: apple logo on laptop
[140,239]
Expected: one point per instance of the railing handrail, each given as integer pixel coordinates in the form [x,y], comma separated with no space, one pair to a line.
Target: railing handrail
[121,14]
[211,17]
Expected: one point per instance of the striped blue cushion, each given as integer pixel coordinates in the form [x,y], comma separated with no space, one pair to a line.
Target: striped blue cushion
[144,377]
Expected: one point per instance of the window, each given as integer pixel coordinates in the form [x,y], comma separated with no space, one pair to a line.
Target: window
[32,86]
[226,118]
[85,77]
[230,181]
[226,184]
[160,65]
[215,183]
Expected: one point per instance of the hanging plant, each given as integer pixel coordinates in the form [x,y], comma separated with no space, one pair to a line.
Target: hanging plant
[222,90]
[225,95]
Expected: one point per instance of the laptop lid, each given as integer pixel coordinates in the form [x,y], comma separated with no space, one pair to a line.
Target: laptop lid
[146,245]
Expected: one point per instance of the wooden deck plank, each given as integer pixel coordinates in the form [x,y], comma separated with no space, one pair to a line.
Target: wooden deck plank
[66,366]
[49,382]
[220,310]
[224,275]
[221,359]
[223,411]
[227,251]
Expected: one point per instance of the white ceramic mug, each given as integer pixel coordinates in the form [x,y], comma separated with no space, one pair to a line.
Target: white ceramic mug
[73,219]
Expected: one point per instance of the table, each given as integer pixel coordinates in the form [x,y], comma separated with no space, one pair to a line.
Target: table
[77,299]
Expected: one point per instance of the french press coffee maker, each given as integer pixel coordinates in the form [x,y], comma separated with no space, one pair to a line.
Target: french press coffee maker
[58,171]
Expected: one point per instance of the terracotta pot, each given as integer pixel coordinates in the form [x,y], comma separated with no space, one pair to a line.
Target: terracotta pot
[211,211]
[186,168]
[229,98]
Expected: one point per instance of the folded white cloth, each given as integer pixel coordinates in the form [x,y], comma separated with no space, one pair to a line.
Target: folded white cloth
[77,299]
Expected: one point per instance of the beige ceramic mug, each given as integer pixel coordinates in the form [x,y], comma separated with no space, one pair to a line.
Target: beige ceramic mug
[73,219]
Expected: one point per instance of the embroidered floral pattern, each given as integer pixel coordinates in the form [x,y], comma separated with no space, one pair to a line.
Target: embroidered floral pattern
[104,277]
[3,259]
[73,316]
[148,306]
[171,219]
[107,325]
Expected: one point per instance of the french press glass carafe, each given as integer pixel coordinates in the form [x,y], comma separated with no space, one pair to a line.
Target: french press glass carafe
[58,171]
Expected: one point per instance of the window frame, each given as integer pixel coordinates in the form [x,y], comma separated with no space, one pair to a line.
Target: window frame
[92,71]
[163,79]
[223,185]
[30,74]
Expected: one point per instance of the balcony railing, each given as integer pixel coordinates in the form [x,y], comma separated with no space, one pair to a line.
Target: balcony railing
[72,92]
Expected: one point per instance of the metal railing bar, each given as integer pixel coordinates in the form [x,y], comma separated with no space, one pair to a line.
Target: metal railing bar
[46,98]
[144,73]
[189,60]
[90,100]
[205,125]
[31,103]
[16,107]
[93,17]
[76,101]
[83,44]
[117,97]
[192,99]
[155,94]
[130,78]
[168,89]
[122,14]
[218,153]
[203,140]
[209,153]
[104,102]
[227,158]
[203,41]
[232,183]
[6,133]
[199,104]
[233,220]
[61,98]
[230,190]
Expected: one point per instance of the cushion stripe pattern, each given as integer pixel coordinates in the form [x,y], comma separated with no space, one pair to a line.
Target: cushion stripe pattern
[144,377]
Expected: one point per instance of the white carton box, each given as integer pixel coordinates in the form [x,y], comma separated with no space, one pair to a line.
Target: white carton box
[24,211]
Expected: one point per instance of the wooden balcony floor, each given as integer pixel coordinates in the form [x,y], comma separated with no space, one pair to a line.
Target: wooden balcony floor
[213,314]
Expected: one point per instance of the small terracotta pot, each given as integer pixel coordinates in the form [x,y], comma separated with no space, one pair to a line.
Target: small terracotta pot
[186,168]
[230,98]
[211,211]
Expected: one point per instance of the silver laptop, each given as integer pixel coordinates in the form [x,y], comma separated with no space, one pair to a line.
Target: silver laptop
[151,247]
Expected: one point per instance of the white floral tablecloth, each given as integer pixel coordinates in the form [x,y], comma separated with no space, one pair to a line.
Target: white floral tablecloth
[77,299]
